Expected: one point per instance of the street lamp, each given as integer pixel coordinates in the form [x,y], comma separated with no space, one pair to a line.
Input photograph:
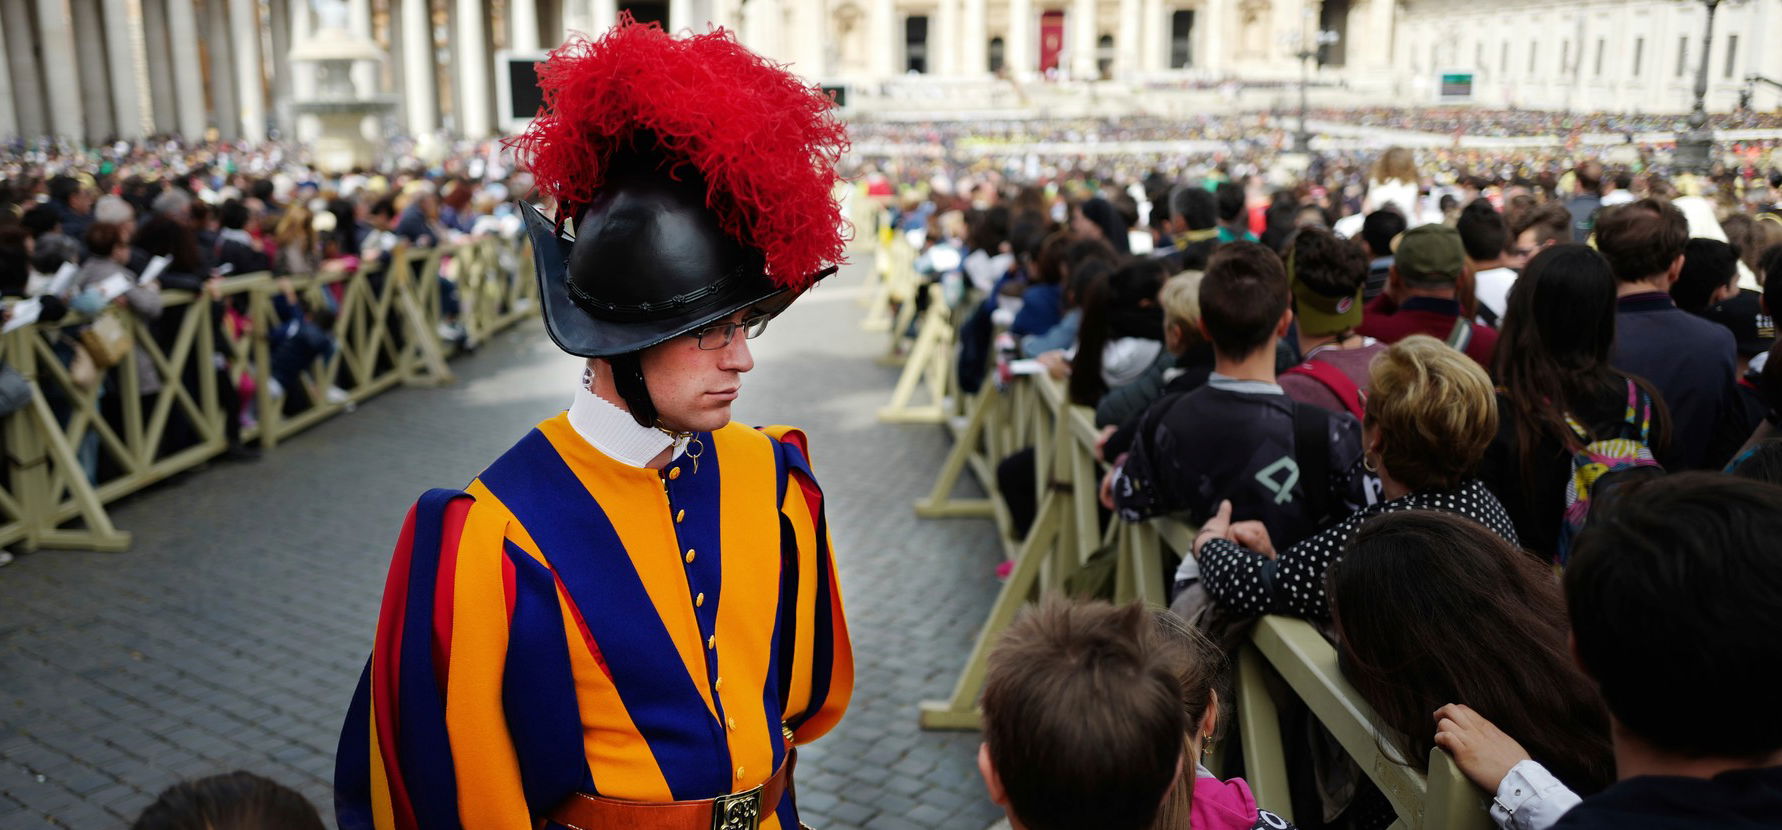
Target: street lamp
[1312,42]
[1695,146]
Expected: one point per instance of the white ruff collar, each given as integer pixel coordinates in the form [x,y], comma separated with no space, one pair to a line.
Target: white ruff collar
[615,433]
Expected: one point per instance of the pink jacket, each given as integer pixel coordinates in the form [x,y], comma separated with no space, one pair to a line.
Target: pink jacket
[1228,805]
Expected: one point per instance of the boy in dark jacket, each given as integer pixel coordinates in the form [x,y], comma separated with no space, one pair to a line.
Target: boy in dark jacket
[1239,437]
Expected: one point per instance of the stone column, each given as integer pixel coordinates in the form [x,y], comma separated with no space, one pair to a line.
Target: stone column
[250,90]
[812,52]
[1081,21]
[89,59]
[9,122]
[1210,21]
[974,52]
[284,114]
[943,38]
[188,85]
[223,107]
[475,116]
[418,79]
[1017,44]
[163,109]
[680,16]
[25,83]
[882,28]
[523,15]
[1154,33]
[62,89]
[605,16]
[126,50]
[365,73]
[1127,51]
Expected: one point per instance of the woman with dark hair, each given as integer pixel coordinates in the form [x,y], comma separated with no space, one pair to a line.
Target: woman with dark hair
[1472,620]
[1076,275]
[1558,391]
[1121,333]
[1098,217]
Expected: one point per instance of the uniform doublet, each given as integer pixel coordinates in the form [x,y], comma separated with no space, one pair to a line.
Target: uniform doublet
[570,623]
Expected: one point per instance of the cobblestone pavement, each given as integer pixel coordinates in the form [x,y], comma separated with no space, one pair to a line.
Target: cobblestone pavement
[232,635]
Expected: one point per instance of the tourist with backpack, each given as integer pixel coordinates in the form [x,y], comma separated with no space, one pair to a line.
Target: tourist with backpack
[1328,276]
[1568,416]
[1429,415]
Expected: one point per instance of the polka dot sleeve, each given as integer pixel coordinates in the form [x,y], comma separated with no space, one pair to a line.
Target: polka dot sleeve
[1293,583]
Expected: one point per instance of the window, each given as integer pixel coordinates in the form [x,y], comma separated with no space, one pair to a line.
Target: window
[1639,54]
[1104,56]
[915,44]
[996,55]
[1732,54]
[1601,44]
[1682,55]
[1479,55]
[1503,58]
[1181,39]
[1565,56]
[1531,57]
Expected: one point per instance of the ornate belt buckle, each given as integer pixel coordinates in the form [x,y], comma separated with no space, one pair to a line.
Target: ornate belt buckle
[737,811]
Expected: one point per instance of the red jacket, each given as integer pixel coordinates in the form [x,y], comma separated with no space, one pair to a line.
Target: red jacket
[1424,315]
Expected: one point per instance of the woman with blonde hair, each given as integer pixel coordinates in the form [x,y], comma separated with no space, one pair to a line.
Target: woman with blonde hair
[1393,183]
[299,249]
[1428,416]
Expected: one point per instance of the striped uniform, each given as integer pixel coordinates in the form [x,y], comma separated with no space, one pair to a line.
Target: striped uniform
[572,623]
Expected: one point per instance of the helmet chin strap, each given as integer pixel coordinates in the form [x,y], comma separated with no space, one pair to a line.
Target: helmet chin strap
[628,379]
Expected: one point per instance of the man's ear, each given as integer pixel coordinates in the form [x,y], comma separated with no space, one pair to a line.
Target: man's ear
[992,783]
[1286,322]
[1201,326]
[1676,270]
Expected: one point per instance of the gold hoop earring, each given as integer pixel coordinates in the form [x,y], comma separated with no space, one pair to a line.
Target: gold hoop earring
[1367,463]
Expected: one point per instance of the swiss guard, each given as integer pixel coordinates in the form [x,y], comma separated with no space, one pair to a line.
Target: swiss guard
[631,618]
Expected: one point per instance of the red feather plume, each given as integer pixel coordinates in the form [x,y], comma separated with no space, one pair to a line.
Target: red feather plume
[766,142]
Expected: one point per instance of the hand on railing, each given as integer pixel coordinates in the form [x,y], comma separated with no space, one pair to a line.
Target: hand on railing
[1252,534]
[1215,527]
[1101,440]
[1055,364]
[1480,749]
[1107,482]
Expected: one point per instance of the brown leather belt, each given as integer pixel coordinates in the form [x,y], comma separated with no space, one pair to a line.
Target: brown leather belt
[737,811]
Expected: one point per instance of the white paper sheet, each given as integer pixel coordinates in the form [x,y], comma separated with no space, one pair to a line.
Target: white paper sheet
[22,314]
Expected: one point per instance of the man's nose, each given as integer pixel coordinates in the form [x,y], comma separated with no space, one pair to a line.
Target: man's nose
[736,356]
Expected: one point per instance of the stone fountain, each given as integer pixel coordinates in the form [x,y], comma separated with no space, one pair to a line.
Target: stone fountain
[343,141]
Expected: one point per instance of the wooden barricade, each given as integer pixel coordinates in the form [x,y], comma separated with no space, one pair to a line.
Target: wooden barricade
[894,286]
[82,444]
[1066,530]
[929,366]
[1285,657]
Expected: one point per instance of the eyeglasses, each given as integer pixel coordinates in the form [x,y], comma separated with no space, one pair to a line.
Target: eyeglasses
[718,335]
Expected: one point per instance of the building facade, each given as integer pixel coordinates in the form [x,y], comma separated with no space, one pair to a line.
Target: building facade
[1609,55]
[97,69]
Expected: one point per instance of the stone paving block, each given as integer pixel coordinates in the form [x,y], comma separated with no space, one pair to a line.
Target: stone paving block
[232,635]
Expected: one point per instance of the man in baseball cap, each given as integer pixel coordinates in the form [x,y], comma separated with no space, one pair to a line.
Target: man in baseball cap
[1429,263]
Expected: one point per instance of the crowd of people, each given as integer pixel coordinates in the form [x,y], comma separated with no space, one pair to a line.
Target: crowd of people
[1514,415]
[88,234]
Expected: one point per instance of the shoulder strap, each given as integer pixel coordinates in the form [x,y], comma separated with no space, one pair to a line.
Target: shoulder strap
[1461,335]
[1333,379]
[1311,451]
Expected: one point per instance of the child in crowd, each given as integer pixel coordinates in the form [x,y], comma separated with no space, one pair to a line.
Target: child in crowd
[1199,800]
[1083,718]
[1675,596]
[236,801]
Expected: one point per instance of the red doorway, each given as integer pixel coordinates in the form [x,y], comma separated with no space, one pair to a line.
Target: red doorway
[1051,39]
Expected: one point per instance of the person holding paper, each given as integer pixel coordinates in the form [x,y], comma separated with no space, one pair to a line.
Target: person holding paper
[103,279]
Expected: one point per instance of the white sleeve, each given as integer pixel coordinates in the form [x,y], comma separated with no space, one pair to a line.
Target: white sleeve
[1530,798]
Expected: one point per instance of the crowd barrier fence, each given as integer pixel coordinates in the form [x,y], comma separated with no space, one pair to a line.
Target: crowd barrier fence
[1285,658]
[79,445]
